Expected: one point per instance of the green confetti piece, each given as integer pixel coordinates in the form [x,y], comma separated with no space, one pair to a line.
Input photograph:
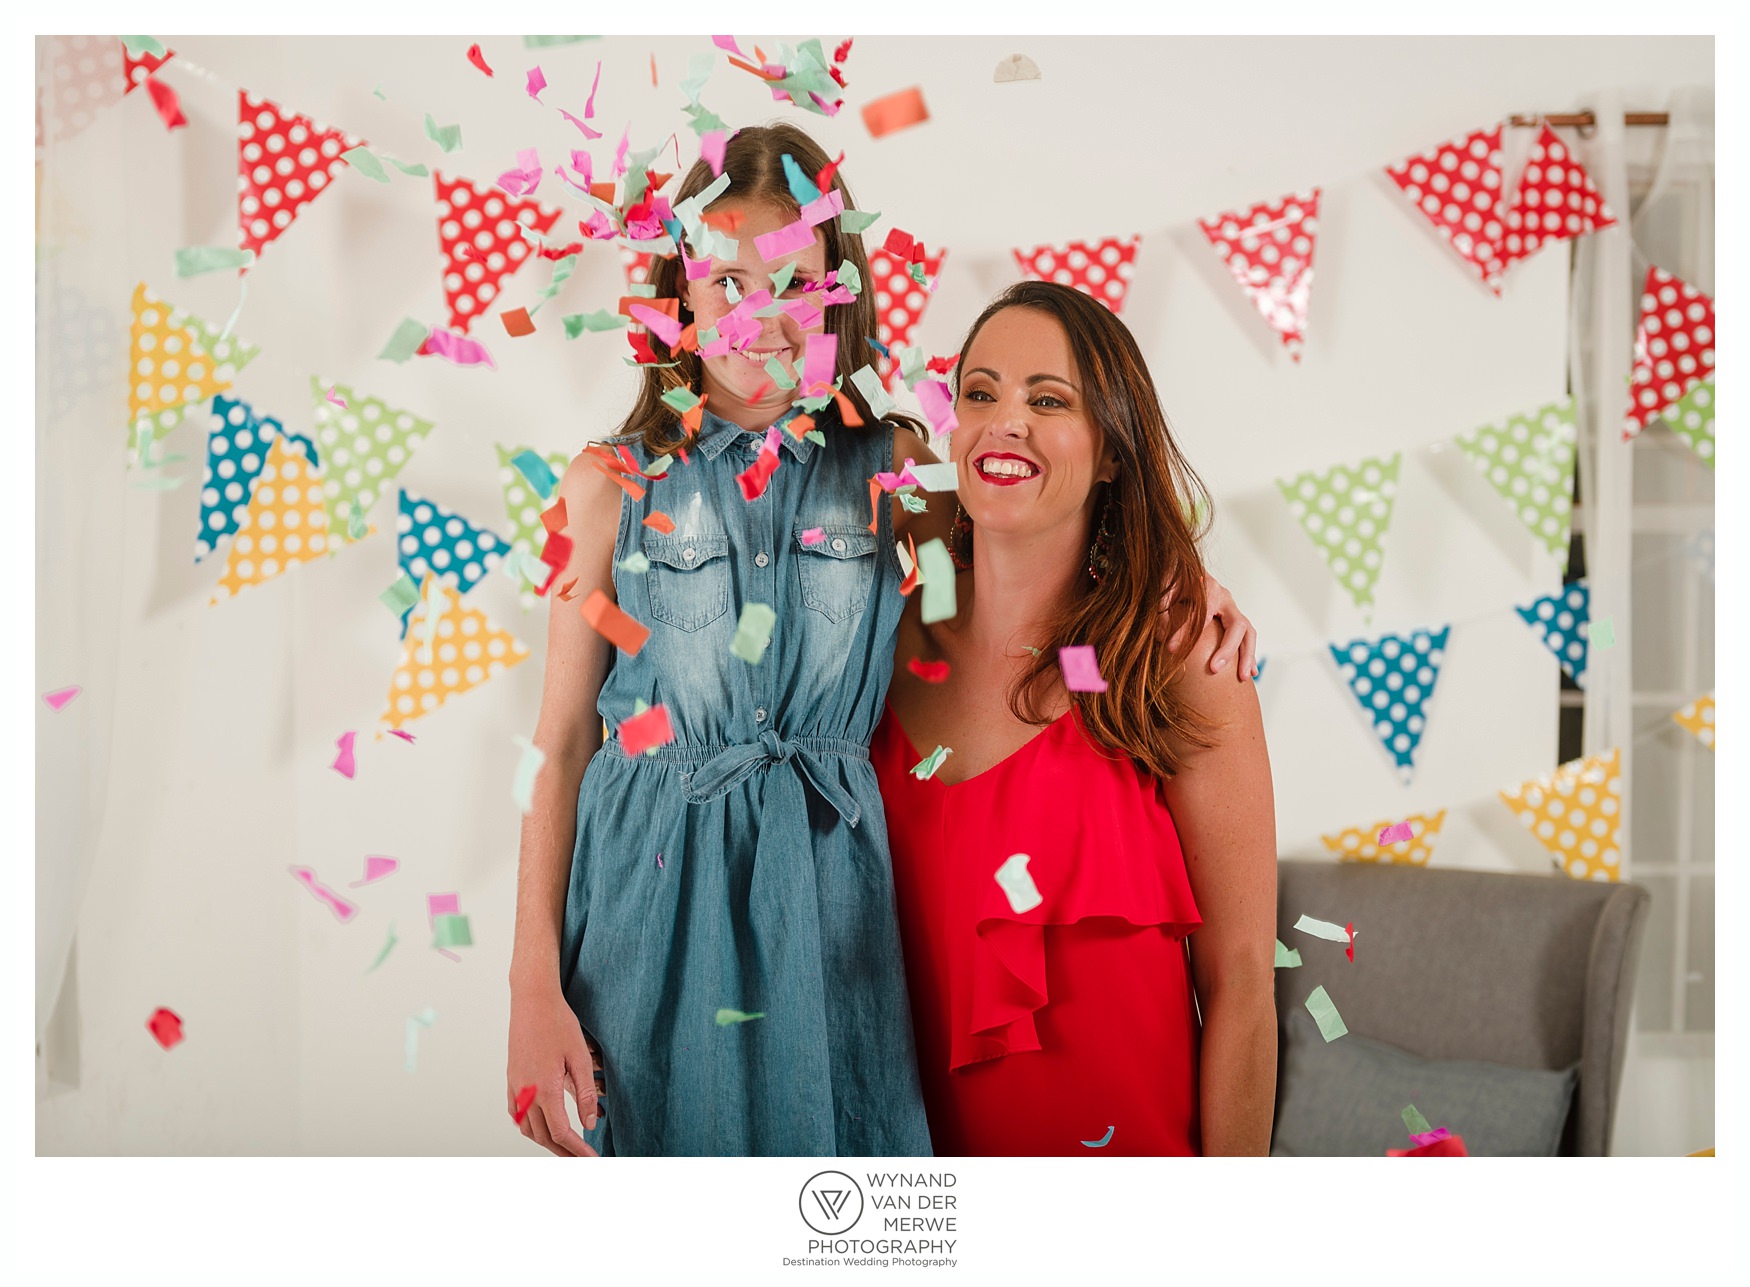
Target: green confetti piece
[367,440]
[753,632]
[1414,1122]
[680,400]
[387,948]
[378,91]
[562,271]
[643,290]
[1691,418]
[703,120]
[1324,1011]
[365,162]
[549,42]
[528,768]
[856,220]
[941,476]
[192,261]
[401,596]
[936,568]
[1601,633]
[415,168]
[1287,958]
[781,278]
[698,72]
[1321,929]
[725,1017]
[816,436]
[414,1023]
[874,392]
[137,45]
[600,320]
[356,528]
[659,468]
[1030,648]
[539,473]
[910,501]
[775,369]
[447,137]
[527,571]
[926,768]
[848,277]
[406,341]
[635,563]
[1346,511]
[1529,461]
[451,931]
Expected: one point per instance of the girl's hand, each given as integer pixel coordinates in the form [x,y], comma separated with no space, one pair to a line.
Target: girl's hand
[548,1051]
[1238,637]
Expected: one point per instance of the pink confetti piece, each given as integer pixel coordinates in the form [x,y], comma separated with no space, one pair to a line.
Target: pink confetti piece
[791,237]
[659,862]
[728,42]
[1432,1137]
[813,536]
[405,737]
[537,83]
[827,206]
[1081,670]
[1396,834]
[589,106]
[711,146]
[58,699]
[661,325]
[819,355]
[377,866]
[523,180]
[620,151]
[938,405]
[343,910]
[893,482]
[457,349]
[165,1025]
[587,132]
[343,762]
[804,314]
[339,402]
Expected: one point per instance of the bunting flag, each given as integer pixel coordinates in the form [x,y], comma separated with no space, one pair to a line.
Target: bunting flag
[285,522]
[1561,621]
[135,70]
[1346,510]
[523,507]
[1575,812]
[238,441]
[89,75]
[1698,718]
[899,305]
[1691,418]
[1102,268]
[1555,200]
[1457,189]
[81,341]
[1361,844]
[478,234]
[284,161]
[1269,250]
[174,361]
[637,264]
[1674,348]
[364,446]
[437,540]
[1393,678]
[1529,459]
[466,651]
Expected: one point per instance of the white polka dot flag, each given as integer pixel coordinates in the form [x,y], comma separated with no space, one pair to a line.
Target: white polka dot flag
[1457,189]
[1674,348]
[1269,250]
[466,651]
[1102,269]
[1691,418]
[1575,812]
[435,539]
[1361,844]
[477,232]
[1346,509]
[175,360]
[238,439]
[523,507]
[1698,718]
[1555,200]
[364,445]
[899,305]
[1562,620]
[1529,459]
[285,523]
[284,162]
[1393,678]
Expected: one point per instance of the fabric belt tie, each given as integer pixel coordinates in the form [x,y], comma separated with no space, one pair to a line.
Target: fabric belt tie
[730,767]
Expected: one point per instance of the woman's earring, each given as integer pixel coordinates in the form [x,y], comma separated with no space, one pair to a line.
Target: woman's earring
[960,537]
[1100,552]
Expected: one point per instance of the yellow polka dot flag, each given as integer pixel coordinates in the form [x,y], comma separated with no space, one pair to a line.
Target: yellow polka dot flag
[466,651]
[1698,718]
[1575,812]
[174,361]
[285,523]
[1361,844]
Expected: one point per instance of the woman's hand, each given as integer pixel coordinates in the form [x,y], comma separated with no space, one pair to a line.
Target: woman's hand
[1238,636]
[549,1052]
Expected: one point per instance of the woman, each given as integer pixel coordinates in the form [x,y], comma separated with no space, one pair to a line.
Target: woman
[717,916]
[1049,871]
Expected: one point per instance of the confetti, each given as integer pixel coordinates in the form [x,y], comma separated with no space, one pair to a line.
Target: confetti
[451,931]
[1102,1141]
[646,731]
[635,563]
[405,737]
[936,568]
[343,910]
[532,466]
[414,1023]
[600,320]
[407,340]
[926,768]
[192,261]
[137,45]
[1324,1011]
[1081,670]
[753,632]
[1287,958]
[1349,948]
[165,1026]
[165,100]
[1322,929]
[942,477]
[1415,1123]
[1451,1146]
[365,162]
[524,1099]
[1394,834]
[528,768]
[813,535]
[1602,633]
[457,348]
[447,137]
[377,866]
[400,597]
[517,322]
[1016,67]
[58,699]
[478,59]
[931,672]
[1017,884]
[387,948]
[895,111]
[607,619]
[726,1017]
[657,521]
[343,761]
[1426,1138]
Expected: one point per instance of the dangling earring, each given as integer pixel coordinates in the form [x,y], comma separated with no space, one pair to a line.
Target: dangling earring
[961,536]
[1100,552]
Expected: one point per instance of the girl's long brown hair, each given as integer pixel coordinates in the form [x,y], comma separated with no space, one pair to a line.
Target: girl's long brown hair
[753,160]
[1157,510]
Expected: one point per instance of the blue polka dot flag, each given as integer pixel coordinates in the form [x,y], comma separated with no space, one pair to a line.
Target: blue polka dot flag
[1561,621]
[237,443]
[438,540]
[1393,678]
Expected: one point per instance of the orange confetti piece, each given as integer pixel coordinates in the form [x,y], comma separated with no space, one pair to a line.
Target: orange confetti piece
[603,191]
[689,340]
[653,69]
[799,426]
[761,72]
[554,518]
[660,522]
[694,416]
[723,220]
[894,112]
[874,503]
[568,591]
[847,409]
[517,322]
[911,580]
[605,617]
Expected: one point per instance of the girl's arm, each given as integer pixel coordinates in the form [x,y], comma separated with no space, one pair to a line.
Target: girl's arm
[1225,813]
[547,1047]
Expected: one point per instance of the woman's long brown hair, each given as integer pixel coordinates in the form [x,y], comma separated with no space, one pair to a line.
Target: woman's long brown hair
[754,162]
[1157,510]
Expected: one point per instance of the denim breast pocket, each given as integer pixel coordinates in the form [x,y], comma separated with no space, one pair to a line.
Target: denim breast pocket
[688,578]
[837,571]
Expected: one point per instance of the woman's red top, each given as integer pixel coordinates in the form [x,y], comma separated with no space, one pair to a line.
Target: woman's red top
[1040,1029]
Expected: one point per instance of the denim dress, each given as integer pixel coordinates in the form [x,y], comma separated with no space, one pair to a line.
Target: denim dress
[744,866]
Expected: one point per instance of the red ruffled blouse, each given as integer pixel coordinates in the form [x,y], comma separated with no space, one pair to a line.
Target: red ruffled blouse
[1050,1030]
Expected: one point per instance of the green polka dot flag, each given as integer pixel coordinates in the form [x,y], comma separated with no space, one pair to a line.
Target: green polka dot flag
[523,506]
[363,445]
[1346,509]
[1529,459]
[1691,418]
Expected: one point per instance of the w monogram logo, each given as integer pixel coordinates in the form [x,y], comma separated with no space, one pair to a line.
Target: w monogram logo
[831,1203]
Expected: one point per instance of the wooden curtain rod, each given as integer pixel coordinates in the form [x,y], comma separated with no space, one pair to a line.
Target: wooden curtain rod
[1586,120]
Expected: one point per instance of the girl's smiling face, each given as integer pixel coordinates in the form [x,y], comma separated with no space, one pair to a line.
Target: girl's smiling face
[737,378]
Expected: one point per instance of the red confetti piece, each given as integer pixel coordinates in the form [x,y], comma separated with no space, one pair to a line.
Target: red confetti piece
[165,1027]
[479,60]
[755,478]
[165,100]
[647,731]
[1349,951]
[843,51]
[1452,1146]
[526,1096]
[931,672]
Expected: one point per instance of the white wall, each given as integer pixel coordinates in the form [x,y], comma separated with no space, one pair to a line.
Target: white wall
[225,717]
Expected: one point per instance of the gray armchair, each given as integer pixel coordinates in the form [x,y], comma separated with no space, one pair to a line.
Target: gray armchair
[1527,971]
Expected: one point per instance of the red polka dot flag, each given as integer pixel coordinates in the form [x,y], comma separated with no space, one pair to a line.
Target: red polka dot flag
[899,304]
[1102,269]
[137,69]
[1556,200]
[284,161]
[1674,347]
[477,229]
[1269,250]
[1457,189]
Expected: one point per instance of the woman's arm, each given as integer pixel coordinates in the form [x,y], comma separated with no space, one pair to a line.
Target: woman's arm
[1225,813]
[547,1047]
